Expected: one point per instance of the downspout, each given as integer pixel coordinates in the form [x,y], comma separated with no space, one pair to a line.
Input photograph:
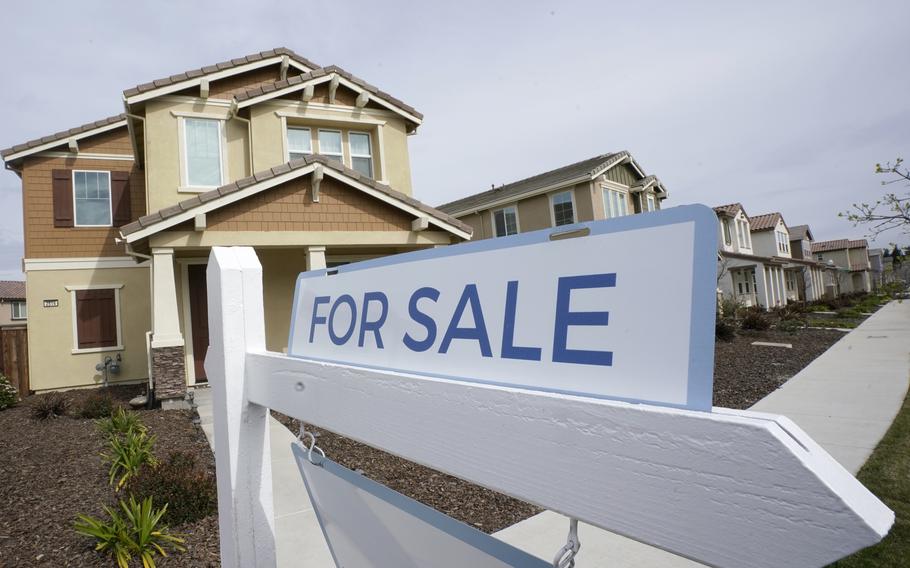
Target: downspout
[233,114]
[130,116]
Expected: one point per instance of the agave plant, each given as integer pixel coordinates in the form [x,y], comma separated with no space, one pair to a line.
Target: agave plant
[128,454]
[121,422]
[134,531]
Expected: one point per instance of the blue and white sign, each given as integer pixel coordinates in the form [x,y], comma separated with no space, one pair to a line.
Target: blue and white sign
[620,309]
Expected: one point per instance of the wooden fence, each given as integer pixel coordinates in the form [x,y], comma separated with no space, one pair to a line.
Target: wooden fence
[14,357]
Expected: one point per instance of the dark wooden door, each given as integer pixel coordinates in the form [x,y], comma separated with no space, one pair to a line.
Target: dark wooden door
[199,317]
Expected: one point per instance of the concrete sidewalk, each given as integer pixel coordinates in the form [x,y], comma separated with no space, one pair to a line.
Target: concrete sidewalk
[846,400]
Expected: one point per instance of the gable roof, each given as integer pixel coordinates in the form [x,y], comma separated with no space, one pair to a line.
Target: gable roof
[299,82]
[730,210]
[839,244]
[765,221]
[260,181]
[12,290]
[801,232]
[566,175]
[53,140]
[238,65]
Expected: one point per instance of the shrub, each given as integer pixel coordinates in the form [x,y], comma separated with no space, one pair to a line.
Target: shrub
[50,405]
[136,531]
[791,325]
[128,454]
[723,331]
[120,423]
[180,482]
[849,313]
[8,395]
[755,321]
[99,404]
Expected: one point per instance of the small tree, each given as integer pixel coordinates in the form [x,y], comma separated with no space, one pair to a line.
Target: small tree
[890,211]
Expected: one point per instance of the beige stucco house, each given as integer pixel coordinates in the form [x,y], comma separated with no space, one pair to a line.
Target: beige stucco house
[850,258]
[602,187]
[307,164]
[757,264]
[13,310]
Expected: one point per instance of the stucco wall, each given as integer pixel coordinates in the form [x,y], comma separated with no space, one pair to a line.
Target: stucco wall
[52,364]
[6,314]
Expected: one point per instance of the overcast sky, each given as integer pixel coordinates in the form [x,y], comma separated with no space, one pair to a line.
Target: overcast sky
[781,106]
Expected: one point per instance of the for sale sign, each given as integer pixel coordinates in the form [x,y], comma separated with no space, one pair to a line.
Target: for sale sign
[620,309]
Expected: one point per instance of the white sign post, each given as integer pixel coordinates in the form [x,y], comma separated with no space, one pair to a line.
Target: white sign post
[389,363]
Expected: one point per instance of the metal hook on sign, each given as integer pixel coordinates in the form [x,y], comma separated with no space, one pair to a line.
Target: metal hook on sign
[302,436]
[565,558]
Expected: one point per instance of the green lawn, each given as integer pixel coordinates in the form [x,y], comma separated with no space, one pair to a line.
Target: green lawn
[887,474]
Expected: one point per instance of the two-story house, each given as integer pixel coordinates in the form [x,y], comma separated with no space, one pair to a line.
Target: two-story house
[817,277]
[13,311]
[851,259]
[307,164]
[741,275]
[602,187]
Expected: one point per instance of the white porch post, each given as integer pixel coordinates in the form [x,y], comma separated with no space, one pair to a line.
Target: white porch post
[761,287]
[315,257]
[167,345]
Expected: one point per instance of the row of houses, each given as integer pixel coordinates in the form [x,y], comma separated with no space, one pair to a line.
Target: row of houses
[309,165]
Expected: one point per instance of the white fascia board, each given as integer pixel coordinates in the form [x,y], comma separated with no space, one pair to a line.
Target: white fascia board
[319,80]
[86,156]
[520,196]
[189,83]
[64,141]
[84,263]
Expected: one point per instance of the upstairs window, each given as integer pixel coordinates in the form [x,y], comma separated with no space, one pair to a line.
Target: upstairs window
[202,152]
[728,240]
[505,222]
[615,204]
[783,242]
[330,144]
[652,203]
[92,198]
[19,311]
[361,153]
[563,209]
[742,233]
[300,143]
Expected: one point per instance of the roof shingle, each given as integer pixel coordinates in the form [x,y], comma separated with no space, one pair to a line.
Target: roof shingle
[839,244]
[764,222]
[63,134]
[12,290]
[730,210]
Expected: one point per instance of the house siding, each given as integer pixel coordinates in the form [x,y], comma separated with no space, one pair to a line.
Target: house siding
[622,173]
[42,239]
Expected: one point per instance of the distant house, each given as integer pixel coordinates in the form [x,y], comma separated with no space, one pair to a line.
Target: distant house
[756,264]
[602,187]
[13,311]
[851,257]
[877,267]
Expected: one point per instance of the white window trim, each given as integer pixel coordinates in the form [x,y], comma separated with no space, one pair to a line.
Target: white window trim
[13,315]
[726,232]
[110,197]
[553,196]
[343,140]
[369,136]
[606,201]
[651,200]
[72,290]
[286,141]
[493,213]
[181,150]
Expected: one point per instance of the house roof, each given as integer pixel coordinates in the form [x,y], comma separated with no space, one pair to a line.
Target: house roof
[765,221]
[800,232]
[88,128]
[12,290]
[730,210]
[170,216]
[585,169]
[839,244]
[297,82]
[223,66]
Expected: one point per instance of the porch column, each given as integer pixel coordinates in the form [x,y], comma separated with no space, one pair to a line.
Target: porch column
[315,257]
[167,346]
[761,286]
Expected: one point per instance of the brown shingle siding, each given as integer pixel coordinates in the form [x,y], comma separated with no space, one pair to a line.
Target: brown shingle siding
[42,239]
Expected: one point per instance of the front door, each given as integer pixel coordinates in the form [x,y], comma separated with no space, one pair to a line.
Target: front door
[199,317]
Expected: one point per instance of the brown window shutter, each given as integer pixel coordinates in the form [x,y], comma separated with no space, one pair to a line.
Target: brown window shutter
[96,318]
[63,198]
[120,198]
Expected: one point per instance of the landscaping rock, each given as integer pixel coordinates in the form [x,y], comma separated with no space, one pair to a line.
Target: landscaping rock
[139,401]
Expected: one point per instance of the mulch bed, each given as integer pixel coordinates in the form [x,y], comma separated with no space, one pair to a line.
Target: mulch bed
[51,470]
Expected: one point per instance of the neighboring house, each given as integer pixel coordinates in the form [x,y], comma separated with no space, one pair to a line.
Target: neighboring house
[851,258]
[756,266]
[819,278]
[13,311]
[602,187]
[307,164]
